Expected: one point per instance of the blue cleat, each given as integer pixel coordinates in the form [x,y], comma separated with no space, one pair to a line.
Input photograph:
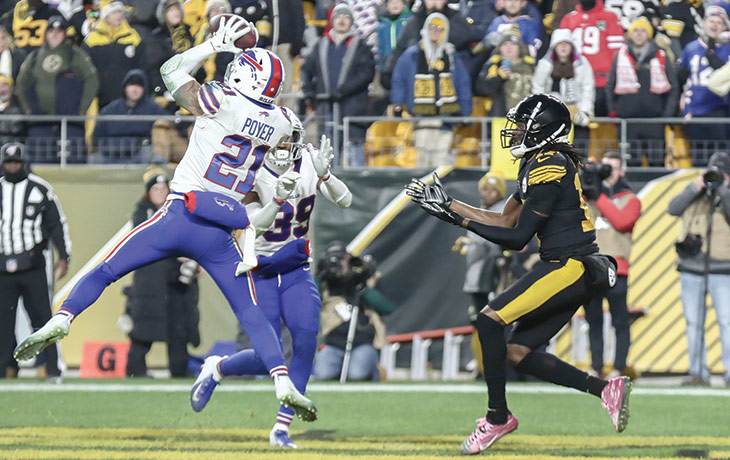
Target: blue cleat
[206,382]
[280,438]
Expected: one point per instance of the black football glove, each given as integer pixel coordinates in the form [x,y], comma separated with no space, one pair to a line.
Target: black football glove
[435,194]
[442,212]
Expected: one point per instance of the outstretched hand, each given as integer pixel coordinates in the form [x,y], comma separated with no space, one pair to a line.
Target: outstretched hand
[230,30]
[423,193]
[322,157]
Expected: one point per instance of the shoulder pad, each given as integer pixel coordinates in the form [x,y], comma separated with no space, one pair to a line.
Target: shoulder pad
[546,167]
[211,94]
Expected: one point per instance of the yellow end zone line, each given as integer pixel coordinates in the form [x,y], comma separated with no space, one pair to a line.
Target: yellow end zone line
[386,216]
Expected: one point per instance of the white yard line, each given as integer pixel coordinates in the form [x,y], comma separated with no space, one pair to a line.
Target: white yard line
[239,387]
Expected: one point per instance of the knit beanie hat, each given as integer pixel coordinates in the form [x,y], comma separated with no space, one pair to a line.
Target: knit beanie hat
[111,8]
[642,23]
[494,179]
[342,9]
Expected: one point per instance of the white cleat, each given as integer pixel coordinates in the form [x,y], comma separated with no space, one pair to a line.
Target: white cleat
[54,330]
[288,395]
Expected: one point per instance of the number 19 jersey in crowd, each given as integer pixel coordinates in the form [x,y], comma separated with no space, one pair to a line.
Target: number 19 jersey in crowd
[292,221]
[229,142]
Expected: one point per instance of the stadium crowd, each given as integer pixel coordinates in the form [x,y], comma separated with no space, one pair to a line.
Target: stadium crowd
[637,59]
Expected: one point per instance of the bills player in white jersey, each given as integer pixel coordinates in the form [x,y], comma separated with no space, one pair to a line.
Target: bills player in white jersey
[280,207]
[236,127]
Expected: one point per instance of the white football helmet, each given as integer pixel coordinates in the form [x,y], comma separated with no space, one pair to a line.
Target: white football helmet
[289,150]
[257,73]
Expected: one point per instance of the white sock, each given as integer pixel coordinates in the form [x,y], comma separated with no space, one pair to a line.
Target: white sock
[281,427]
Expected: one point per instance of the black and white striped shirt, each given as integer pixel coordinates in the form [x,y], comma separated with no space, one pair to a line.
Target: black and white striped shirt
[30,215]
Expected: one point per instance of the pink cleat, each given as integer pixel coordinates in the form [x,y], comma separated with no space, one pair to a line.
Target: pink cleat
[487,434]
[615,399]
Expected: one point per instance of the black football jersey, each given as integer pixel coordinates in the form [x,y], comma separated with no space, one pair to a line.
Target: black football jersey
[569,230]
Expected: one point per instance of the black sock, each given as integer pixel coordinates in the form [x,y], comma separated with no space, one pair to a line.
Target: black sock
[494,356]
[550,368]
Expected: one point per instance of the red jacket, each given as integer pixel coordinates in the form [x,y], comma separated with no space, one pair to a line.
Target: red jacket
[621,219]
[597,35]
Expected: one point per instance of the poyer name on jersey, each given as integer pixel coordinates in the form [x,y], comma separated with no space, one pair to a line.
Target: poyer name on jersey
[257,129]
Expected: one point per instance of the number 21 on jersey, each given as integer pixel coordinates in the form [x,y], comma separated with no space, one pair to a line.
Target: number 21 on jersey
[242,148]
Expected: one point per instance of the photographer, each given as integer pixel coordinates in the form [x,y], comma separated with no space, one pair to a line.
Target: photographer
[615,210]
[705,209]
[348,280]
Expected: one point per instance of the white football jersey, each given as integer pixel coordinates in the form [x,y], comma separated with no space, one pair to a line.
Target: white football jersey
[228,143]
[292,220]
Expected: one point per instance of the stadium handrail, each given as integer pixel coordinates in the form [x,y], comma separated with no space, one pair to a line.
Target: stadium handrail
[430,334]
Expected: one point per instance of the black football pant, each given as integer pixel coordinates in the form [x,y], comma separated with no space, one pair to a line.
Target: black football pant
[32,285]
[620,320]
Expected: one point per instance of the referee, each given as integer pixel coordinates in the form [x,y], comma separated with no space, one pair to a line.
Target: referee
[30,216]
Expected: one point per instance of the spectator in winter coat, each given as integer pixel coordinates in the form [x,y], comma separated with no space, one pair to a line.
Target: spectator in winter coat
[642,83]
[681,20]
[10,130]
[163,298]
[530,28]
[597,35]
[30,19]
[699,205]
[125,140]
[506,77]
[431,80]
[11,57]
[391,25]
[697,62]
[115,48]
[615,210]
[336,74]
[56,79]
[567,75]
[459,33]
[171,37]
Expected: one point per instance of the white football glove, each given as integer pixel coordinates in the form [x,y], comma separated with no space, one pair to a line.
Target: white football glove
[229,30]
[581,118]
[322,158]
[285,184]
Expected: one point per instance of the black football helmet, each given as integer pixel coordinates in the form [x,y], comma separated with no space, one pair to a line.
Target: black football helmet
[536,121]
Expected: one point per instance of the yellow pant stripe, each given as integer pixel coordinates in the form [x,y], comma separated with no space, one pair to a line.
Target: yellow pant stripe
[542,291]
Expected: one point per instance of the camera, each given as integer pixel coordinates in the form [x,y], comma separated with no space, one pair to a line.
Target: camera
[713,178]
[690,246]
[344,273]
[591,177]
[599,170]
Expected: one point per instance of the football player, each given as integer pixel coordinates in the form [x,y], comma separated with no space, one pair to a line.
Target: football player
[279,207]
[548,203]
[236,126]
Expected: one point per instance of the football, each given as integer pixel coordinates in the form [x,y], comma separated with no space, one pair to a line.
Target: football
[246,41]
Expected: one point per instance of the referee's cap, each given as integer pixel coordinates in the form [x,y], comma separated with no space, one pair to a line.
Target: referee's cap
[12,151]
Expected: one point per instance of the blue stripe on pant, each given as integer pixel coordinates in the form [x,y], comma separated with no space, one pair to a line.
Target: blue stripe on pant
[173,233]
[293,297]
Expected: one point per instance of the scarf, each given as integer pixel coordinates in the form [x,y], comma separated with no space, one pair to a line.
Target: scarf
[628,83]
[428,101]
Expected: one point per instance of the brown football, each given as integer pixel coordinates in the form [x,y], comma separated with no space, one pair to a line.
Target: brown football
[246,41]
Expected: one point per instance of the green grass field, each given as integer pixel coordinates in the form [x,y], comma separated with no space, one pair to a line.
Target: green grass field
[152,420]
